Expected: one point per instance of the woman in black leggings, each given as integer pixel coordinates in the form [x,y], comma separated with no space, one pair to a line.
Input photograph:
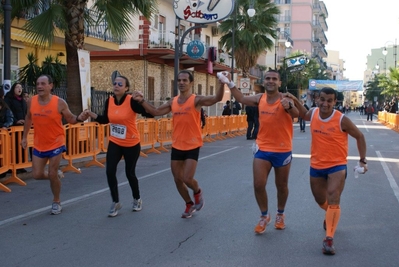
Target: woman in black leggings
[120,112]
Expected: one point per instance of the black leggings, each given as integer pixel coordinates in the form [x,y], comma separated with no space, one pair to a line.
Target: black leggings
[114,155]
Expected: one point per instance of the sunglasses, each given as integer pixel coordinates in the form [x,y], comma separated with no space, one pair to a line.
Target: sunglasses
[271,78]
[120,84]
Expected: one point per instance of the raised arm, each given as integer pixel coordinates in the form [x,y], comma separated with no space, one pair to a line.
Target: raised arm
[212,99]
[246,100]
[154,111]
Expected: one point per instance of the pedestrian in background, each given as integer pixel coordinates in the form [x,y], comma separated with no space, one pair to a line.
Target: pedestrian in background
[120,111]
[273,145]
[302,122]
[186,136]
[45,111]
[370,111]
[252,121]
[328,159]
[18,106]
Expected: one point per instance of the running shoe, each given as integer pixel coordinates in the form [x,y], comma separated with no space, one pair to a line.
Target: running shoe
[328,246]
[199,201]
[188,213]
[279,224]
[56,208]
[113,211]
[260,228]
[137,204]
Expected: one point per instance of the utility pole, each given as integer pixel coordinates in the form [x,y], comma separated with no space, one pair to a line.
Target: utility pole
[7,46]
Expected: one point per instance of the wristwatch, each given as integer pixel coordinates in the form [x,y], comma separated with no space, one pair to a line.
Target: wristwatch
[363,160]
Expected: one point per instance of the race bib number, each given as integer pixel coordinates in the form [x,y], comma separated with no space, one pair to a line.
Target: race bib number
[118,131]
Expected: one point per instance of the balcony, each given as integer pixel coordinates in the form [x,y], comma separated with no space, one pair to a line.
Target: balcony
[99,31]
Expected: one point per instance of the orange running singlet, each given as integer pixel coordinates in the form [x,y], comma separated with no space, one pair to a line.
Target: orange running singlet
[49,133]
[329,143]
[275,127]
[122,123]
[186,125]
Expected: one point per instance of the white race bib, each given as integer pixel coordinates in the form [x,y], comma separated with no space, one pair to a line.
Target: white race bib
[118,131]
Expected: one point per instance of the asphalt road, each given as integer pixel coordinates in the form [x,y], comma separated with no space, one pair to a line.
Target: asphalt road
[221,234]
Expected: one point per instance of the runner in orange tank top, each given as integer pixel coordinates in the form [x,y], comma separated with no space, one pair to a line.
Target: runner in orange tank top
[329,150]
[273,147]
[187,138]
[120,112]
[45,111]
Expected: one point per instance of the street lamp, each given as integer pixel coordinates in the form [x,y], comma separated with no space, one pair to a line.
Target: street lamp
[288,43]
[251,11]
[394,48]
[385,65]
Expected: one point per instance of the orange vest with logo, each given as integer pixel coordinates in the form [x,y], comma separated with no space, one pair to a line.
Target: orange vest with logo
[49,133]
[186,125]
[329,143]
[275,127]
[122,122]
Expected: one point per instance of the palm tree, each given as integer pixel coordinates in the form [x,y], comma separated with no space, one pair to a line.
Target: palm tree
[374,90]
[391,83]
[252,36]
[68,17]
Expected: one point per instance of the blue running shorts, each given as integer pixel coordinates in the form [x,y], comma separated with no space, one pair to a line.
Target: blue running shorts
[277,159]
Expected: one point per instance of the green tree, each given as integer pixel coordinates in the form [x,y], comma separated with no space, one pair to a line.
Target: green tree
[252,36]
[53,66]
[374,90]
[391,84]
[30,72]
[68,17]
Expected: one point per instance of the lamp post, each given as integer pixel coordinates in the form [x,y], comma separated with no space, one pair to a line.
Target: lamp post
[385,65]
[251,12]
[7,45]
[288,43]
[394,48]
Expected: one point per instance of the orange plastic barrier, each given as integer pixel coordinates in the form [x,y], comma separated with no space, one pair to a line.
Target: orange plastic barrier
[148,129]
[16,150]
[4,156]
[224,126]
[81,142]
[212,128]
[103,137]
[165,129]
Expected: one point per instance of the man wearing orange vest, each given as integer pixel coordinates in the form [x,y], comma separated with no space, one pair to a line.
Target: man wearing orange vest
[273,146]
[45,111]
[328,160]
[186,137]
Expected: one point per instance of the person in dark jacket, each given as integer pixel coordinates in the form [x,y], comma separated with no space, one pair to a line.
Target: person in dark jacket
[253,122]
[226,109]
[16,102]
[6,116]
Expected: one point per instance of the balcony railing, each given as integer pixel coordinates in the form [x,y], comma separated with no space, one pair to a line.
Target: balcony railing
[96,31]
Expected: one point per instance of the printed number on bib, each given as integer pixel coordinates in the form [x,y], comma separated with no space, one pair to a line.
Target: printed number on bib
[118,131]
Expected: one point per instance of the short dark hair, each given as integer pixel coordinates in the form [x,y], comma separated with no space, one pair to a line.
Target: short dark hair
[190,75]
[329,91]
[273,71]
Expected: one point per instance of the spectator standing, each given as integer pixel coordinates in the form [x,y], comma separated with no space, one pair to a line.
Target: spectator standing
[302,122]
[17,104]
[252,121]
[226,109]
[6,116]
[370,111]
[236,107]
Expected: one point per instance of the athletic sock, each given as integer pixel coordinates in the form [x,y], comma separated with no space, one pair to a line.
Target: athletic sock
[264,213]
[280,211]
[332,218]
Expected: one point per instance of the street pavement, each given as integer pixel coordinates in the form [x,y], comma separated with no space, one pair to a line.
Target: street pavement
[221,234]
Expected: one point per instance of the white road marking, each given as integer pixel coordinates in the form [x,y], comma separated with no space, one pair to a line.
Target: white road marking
[389,175]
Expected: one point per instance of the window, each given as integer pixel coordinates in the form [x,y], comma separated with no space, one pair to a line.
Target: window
[151,86]
[210,90]
[207,40]
[162,28]
[199,89]
[14,61]
[154,21]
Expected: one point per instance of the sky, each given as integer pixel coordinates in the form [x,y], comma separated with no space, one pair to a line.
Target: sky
[357,26]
